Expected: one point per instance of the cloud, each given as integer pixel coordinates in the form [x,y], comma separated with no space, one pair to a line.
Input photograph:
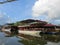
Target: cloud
[1,15]
[51,7]
[4,18]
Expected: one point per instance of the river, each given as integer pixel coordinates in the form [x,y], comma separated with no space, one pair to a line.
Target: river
[7,38]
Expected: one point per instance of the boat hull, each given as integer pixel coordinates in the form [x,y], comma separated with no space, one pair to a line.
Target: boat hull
[32,33]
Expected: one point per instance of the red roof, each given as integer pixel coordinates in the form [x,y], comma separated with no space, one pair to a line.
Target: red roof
[49,25]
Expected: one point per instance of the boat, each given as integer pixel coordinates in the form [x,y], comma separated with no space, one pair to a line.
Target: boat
[6,28]
[32,33]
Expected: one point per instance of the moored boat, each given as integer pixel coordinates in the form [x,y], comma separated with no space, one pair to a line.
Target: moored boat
[32,33]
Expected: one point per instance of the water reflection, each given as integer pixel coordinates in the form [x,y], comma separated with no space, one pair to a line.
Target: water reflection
[43,40]
[8,38]
[51,38]
[21,39]
[9,34]
[31,40]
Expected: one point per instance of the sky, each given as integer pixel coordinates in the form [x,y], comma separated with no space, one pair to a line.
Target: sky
[47,10]
[16,11]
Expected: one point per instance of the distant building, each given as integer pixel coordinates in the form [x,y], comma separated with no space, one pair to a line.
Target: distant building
[40,25]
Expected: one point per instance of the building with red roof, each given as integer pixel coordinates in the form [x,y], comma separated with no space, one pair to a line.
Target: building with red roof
[40,25]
